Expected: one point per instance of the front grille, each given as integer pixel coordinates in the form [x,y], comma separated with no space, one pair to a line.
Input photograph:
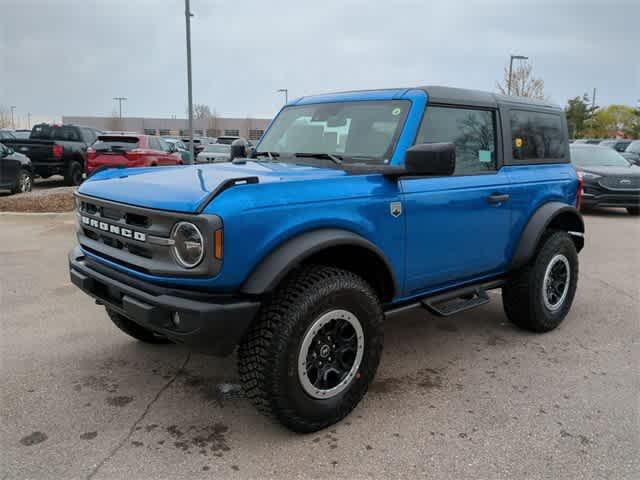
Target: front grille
[621,182]
[139,238]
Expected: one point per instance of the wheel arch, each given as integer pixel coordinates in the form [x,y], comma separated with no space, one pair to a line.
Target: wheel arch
[331,247]
[555,215]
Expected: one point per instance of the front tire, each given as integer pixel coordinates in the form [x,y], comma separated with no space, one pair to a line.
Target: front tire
[24,182]
[134,330]
[313,349]
[538,297]
[635,211]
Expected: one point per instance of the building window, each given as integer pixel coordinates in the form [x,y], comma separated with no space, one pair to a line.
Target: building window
[165,133]
[213,132]
[149,131]
[232,133]
[255,134]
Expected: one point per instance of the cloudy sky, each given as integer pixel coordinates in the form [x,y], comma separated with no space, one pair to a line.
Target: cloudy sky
[72,56]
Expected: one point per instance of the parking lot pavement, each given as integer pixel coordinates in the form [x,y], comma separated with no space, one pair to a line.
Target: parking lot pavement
[465,397]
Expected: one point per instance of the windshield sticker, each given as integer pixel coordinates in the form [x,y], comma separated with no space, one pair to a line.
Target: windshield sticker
[518,142]
[396,111]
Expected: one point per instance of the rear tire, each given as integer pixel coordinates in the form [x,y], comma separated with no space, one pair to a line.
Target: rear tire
[73,175]
[24,182]
[539,296]
[319,314]
[633,210]
[136,331]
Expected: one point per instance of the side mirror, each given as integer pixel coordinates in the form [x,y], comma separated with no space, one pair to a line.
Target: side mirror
[438,159]
[238,149]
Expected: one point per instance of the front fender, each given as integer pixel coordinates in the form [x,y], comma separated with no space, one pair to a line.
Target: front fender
[281,261]
[552,214]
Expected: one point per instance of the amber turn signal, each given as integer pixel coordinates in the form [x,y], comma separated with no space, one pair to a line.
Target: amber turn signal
[218,244]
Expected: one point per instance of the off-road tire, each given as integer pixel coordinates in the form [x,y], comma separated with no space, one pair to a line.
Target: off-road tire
[73,174]
[134,330]
[24,182]
[635,211]
[522,296]
[268,354]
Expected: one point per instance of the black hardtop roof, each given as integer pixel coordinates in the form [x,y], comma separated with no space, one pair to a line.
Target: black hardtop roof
[463,96]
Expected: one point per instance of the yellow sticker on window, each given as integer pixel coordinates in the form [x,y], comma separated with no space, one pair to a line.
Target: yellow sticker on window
[518,142]
[396,111]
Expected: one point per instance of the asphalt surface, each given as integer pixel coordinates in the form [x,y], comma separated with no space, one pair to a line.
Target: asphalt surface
[466,397]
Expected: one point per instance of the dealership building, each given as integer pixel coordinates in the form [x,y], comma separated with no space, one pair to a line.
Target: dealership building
[251,128]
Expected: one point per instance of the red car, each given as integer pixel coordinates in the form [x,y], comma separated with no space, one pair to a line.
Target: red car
[130,150]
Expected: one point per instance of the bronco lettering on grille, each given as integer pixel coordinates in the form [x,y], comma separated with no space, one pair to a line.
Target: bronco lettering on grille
[115,229]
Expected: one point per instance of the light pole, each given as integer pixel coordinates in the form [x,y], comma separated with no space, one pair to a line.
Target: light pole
[29,120]
[120,100]
[13,125]
[286,94]
[187,17]
[513,57]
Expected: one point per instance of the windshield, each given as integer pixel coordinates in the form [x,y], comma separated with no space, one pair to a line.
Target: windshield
[634,147]
[355,131]
[217,148]
[597,157]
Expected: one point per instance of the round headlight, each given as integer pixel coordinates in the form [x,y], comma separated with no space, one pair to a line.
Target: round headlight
[188,247]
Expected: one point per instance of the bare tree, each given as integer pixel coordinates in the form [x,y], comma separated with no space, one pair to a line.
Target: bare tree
[5,117]
[523,83]
[201,111]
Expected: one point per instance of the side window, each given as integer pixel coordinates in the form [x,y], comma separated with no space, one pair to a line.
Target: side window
[536,136]
[163,145]
[472,131]
[153,143]
[88,135]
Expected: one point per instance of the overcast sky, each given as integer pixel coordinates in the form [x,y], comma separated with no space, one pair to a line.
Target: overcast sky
[71,57]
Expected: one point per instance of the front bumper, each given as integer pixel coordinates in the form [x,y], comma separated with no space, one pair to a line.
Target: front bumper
[212,324]
[618,199]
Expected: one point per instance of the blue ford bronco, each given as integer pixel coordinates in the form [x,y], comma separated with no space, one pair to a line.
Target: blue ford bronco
[352,206]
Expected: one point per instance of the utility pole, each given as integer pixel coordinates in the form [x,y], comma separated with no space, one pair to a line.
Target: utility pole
[187,17]
[511,59]
[120,100]
[286,94]
[593,100]
[13,125]
[29,120]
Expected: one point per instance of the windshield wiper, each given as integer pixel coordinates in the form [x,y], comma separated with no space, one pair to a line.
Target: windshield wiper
[267,154]
[335,158]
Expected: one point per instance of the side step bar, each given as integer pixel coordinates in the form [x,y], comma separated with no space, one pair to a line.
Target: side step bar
[454,301]
[450,306]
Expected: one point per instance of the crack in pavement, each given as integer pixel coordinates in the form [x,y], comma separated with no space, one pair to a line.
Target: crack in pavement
[140,418]
[613,287]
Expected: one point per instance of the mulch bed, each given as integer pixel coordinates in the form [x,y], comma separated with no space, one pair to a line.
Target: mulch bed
[58,199]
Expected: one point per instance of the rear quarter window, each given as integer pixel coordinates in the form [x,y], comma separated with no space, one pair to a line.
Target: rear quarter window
[537,137]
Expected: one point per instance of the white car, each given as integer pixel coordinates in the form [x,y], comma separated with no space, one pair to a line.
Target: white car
[214,153]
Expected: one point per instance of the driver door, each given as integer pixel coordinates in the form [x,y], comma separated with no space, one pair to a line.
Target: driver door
[457,226]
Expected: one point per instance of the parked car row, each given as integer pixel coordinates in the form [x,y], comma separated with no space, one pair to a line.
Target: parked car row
[609,180]
[630,149]
[16,171]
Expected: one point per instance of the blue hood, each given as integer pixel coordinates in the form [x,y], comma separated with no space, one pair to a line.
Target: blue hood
[184,188]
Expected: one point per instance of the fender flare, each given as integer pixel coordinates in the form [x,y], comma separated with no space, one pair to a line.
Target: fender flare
[287,256]
[570,219]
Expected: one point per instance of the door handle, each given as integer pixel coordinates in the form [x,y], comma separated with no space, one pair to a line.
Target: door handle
[498,198]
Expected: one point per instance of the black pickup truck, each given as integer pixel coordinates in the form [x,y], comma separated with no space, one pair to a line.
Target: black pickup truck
[57,150]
